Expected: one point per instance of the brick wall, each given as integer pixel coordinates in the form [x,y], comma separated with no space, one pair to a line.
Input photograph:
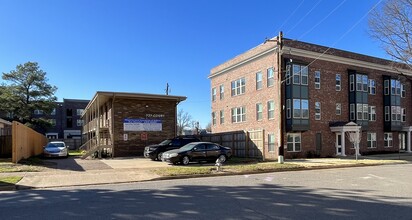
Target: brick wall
[139,109]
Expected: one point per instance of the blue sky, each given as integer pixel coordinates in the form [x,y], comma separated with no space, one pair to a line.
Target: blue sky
[138,46]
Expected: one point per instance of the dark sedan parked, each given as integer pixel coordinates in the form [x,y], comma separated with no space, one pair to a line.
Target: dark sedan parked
[197,151]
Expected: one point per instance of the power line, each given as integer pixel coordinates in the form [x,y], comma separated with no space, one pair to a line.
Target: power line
[301,19]
[290,15]
[317,24]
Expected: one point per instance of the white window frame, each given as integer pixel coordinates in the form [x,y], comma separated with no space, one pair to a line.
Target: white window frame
[403,91]
[213,94]
[79,111]
[222,92]
[288,109]
[296,74]
[271,142]
[372,113]
[359,111]
[372,87]
[222,116]
[318,110]
[270,77]
[304,75]
[371,140]
[238,114]
[317,79]
[259,81]
[213,118]
[294,140]
[387,139]
[271,109]
[338,82]
[259,112]
[238,87]
[386,87]
[387,113]
[352,112]
[352,82]
[338,109]
[79,122]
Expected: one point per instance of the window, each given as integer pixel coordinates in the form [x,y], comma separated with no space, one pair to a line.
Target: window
[222,92]
[271,109]
[238,86]
[53,112]
[213,118]
[259,111]
[304,75]
[387,140]
[317,79]
[52,122]
[372,87]
[79,122]
[338,109]
[317,110]
[238,114]
[365,83]
[365,112]
[371,140]
[259,81]
[287,76]
[386,87]
[395,87]
[271,142]
[351,83]
[338,82]
[372,113]
[38,112]
[296,74]
[352,111]
[222,117]
[300,108]
[213,94]
[395,113]
[79,111]
[300,74]
[271,77]
[403,114]
[359,82]
[294,142]
[387,113]
[403,92]
[359,112]
[288,109]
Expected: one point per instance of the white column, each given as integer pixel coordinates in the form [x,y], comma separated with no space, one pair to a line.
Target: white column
[343,143]
[408,147]
[336,143]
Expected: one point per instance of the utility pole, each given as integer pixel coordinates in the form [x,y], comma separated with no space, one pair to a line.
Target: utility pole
[167,88]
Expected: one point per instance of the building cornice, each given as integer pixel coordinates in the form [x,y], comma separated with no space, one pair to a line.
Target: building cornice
[242,62]
[343,60]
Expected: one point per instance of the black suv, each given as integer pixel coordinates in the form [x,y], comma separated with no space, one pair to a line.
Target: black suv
[155,151]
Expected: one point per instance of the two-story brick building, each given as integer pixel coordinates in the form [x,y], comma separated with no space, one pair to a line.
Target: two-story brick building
[307,98]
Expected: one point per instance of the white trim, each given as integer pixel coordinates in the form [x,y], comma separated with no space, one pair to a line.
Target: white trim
[343,60]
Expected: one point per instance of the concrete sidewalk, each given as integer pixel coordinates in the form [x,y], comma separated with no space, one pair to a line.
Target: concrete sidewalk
[77,172]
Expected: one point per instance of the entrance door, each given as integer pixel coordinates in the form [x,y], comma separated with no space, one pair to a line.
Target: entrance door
[339,144]
[402,141]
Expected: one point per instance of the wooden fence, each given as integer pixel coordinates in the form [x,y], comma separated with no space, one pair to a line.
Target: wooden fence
[26,142]
[243,143]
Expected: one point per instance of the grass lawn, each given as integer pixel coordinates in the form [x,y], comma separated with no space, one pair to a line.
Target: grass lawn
[8,181]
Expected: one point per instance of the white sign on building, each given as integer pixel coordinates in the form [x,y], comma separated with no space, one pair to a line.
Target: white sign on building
[142,125]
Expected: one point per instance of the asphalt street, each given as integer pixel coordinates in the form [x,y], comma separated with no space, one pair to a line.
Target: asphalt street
[377,192]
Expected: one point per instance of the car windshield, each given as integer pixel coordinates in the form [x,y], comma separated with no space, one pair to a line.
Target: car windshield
[165,142]
[187,147]
[55,145]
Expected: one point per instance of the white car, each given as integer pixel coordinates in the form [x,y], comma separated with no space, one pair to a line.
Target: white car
[56,149]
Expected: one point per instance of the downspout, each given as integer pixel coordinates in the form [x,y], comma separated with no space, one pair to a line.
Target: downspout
[112,122]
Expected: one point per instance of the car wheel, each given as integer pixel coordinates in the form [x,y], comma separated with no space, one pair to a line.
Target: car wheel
[159,156]
[222,158]
[185,160]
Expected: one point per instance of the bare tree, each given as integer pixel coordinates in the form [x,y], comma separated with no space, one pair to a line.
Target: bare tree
[184,119]
[391,24]
[209,127]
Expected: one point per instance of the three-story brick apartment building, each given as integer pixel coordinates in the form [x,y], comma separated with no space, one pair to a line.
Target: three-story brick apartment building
[318,95]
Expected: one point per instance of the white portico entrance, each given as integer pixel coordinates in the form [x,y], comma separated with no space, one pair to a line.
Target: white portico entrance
[340,129]
[408,130]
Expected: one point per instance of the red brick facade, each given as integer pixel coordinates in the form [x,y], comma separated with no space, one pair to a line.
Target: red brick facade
[318,58]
